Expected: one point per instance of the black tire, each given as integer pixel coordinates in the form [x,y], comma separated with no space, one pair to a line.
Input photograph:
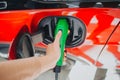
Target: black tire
[24,46]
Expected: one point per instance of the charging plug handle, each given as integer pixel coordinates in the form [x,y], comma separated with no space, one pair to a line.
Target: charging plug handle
[62,25]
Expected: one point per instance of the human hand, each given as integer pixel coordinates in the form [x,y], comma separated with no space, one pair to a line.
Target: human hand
[53,49]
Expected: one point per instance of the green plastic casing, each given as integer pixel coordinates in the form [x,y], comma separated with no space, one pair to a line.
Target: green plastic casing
[62,25]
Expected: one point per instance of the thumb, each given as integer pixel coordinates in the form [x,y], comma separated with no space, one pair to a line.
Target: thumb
[57,38]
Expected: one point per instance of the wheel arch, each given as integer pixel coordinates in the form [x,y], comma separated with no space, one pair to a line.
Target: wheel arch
[12,52]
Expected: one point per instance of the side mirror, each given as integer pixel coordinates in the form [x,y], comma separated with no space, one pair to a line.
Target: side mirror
[77,30]
[3,4]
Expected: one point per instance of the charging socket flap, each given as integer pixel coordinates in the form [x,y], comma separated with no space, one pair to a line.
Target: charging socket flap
[75,37]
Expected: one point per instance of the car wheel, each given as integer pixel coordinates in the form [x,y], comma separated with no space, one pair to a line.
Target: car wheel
[24,46]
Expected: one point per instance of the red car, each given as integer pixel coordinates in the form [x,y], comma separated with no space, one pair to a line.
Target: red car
[94,29]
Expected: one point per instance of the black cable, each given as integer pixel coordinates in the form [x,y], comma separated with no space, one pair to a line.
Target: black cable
[56,76]
[57,70]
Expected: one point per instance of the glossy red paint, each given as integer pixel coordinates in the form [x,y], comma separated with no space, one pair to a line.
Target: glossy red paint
[100,23]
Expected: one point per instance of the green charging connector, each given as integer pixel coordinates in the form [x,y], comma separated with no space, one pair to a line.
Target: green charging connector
[62,25]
